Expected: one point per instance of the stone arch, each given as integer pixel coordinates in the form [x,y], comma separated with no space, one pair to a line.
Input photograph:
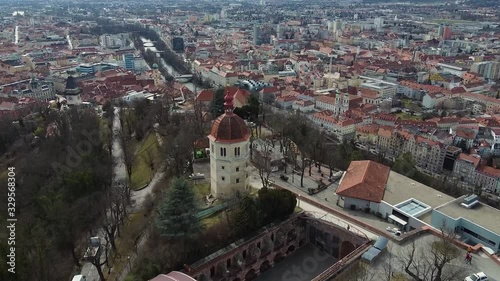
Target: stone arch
[290,249]
[237,260]
[255,251]
[278,257]
[202,277]
[237,279]
[346,247]
[221,269]
[291,235]
[251,274]
[265,265]
[279,239]
[267,245]
[302,242]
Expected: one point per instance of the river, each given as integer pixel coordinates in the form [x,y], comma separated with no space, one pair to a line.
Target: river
[167,66]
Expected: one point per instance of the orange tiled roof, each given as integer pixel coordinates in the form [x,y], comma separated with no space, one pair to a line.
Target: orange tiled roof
[326,99]
[368,129]
[489,171]
[385,132]
[365,180]
[205,95]
[469,158]
[368,93]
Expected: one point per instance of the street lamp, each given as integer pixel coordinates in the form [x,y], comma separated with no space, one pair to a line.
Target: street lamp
[298,201]
[129,266]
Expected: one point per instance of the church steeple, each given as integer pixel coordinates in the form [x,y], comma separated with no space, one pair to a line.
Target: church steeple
[228,103]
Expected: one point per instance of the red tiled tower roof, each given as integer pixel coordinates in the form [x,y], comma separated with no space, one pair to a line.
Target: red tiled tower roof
[229,127]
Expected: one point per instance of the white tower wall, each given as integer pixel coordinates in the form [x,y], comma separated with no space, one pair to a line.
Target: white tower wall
[228,173]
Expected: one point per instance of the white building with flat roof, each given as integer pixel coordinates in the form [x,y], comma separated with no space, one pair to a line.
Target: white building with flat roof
[410,205]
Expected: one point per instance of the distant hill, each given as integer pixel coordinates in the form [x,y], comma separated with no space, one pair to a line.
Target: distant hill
[412,1]
[474,3]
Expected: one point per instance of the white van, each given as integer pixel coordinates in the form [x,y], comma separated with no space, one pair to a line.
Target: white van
[79,278]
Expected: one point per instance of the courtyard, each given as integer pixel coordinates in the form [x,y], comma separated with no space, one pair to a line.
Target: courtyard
[303,265]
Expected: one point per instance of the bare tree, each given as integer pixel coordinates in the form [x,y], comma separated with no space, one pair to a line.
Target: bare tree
[330,157]
[358,271]
[300,160]
[98,262]
[179,150]
[149,158]
[388,264]
[197,118]
[262,159]
[316,146]
[127,153]
[114,215]
[436,260]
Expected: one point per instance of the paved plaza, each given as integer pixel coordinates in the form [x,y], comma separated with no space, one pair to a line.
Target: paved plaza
[326,196]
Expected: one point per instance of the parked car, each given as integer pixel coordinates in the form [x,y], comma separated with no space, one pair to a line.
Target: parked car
[79,278]
[284,177]
[197,176]
[480,276]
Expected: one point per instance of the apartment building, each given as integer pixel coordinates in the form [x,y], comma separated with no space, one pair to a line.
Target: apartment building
[367,133]
[325,119]
[487,69]
[428,155]
[488,178]
[387,140]
[385,89]
[465,167]
[303,105]
[326,103]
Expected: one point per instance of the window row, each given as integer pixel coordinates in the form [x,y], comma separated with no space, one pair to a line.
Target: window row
[237,180]
[237,152]
[237,168]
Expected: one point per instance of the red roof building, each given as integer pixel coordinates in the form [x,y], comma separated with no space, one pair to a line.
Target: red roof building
[173,276]
[365,180]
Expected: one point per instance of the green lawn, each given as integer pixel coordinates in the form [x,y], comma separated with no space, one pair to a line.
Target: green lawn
[214,219]
[125,243]
[200,191]
[141,171]
[406,116]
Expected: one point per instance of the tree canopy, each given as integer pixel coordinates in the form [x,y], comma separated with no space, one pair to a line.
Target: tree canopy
[60,181]
[270,205]
[217,105]
[177,213]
